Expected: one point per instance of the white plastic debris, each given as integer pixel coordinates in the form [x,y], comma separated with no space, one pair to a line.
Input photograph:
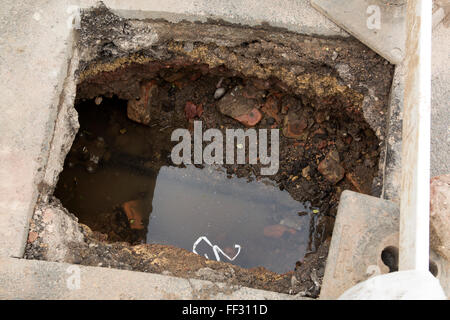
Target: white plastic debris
[402,285]
[216,249]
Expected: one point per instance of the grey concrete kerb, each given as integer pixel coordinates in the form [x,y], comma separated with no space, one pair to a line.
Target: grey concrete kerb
[32,279]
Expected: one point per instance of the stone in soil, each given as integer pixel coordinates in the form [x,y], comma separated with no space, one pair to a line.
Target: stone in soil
[240,108]
[330,167]
[295,127]
[358,183]
[139,109]
[271,108]
[191,110]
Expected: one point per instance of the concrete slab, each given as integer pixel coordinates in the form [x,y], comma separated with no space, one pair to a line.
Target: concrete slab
[35,48]
[378,24]
[393,147]
[31,279]
[364,227]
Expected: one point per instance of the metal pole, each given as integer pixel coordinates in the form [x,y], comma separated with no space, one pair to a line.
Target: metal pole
[415,193]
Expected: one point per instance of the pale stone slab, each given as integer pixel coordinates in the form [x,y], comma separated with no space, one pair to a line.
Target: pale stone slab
[378,24]
[364,227]
[32,279]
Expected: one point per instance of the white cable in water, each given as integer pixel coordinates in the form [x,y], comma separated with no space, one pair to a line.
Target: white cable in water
[215,248]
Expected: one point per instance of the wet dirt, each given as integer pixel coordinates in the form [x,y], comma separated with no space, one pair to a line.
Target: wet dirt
[115,163]
[328,98]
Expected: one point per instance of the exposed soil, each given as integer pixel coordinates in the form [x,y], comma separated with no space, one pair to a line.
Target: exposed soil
[328,97]
[95,250]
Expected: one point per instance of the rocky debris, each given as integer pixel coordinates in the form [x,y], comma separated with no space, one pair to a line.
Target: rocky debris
[52,233]
[240,108]
[98,100]
[440,215]
[330,167]
[344,71]
[360,185]
[211,275]
[135,211]
[140,109]
[260,84]
[32,236]
[321,117]
[277,231]
[288,102]
[310,271]
[272,108]
[251,92]
[295,126]
[306,172]
[191,110]
[117,226]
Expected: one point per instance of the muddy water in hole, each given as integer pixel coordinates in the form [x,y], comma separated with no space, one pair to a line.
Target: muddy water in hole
[243,221]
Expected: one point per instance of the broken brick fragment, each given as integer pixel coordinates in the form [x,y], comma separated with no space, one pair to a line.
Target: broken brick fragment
[240,108]
[250,119]
[32,236]
[139,110]
[135,211]
[272,108]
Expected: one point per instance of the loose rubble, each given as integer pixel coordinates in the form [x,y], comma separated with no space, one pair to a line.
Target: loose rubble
[440,215]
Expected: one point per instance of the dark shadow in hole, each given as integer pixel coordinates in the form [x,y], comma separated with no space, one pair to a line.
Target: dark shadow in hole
[389,256]
[433,268]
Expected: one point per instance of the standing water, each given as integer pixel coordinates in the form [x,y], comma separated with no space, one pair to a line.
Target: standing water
[250,223]
[118,169]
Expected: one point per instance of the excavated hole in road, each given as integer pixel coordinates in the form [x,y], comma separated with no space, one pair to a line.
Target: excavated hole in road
[141,80]
[119,178]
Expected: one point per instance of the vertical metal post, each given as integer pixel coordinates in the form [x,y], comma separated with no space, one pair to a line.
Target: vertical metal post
[415,193]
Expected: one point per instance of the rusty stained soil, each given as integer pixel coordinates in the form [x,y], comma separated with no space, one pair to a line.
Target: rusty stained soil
[338,85]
